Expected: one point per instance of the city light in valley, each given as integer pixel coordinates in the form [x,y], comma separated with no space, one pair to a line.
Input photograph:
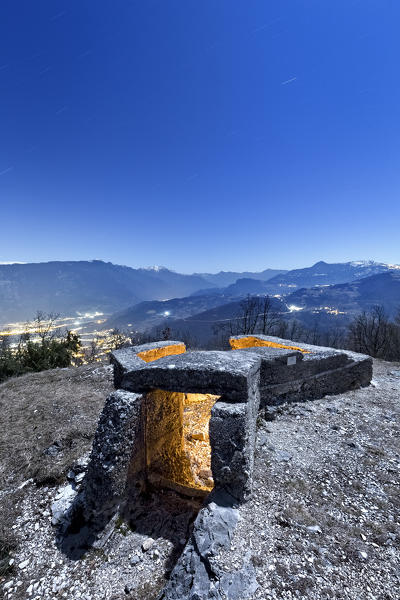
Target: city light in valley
[96,342]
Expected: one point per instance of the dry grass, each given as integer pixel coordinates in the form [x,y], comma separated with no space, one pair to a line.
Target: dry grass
[55,409]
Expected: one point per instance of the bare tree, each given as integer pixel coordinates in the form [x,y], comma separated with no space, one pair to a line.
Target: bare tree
[296,330]
[221,332]
[334,338]
[313,335]
[118,339]
[187,337]
[269,316]
[43,326]
[166,333]
[256,315]
[93,352]
[393,346]
[247,317]
[137,338]
[369,332]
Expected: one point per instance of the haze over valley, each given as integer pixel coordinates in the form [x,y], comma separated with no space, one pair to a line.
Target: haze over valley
[92,298]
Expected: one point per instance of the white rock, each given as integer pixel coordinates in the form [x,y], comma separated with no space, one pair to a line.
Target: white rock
[25,483]
[314,529]
[63,501]
[7,585]
[147,544]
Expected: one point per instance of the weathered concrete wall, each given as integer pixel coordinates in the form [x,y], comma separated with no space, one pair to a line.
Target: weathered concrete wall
[233,377]
[336,381]
[125,448]
[115,441]
[232,439]
[295,365]
[307,375]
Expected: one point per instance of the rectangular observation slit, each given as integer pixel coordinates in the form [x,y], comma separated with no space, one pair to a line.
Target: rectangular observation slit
[159,352]
[177,444]
[256,342]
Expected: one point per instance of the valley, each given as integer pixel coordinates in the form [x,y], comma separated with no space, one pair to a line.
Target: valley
[95,299]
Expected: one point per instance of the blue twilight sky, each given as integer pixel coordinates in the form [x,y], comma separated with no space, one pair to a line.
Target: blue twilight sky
[200,135]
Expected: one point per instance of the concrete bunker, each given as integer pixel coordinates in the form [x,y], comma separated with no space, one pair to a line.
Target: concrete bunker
[180,421]
[184,424]
[186,421]
[292,372]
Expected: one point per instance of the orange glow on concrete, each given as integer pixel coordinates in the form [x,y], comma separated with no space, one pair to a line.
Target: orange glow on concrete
[252,342]
[156,353]
[196,418]
[176,441]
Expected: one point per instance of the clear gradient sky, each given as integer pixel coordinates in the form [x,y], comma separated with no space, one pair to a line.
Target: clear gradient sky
[200,135]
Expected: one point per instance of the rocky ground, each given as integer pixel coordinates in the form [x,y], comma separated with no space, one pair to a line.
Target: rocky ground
[324,520]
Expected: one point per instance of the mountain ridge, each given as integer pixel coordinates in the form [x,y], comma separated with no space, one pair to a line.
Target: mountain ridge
[72,287]
[360,294]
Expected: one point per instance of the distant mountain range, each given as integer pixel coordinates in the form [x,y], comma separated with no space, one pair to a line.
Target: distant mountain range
[382,289]
[320,274]
[146,297]
[331,305]
[323,273]
[225,278]
[326,307]
[85,286]
[241,287]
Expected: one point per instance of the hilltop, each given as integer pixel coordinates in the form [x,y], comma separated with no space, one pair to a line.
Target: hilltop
[322,523]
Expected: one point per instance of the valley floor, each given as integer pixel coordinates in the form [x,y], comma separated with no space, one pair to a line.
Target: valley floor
[323,521]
